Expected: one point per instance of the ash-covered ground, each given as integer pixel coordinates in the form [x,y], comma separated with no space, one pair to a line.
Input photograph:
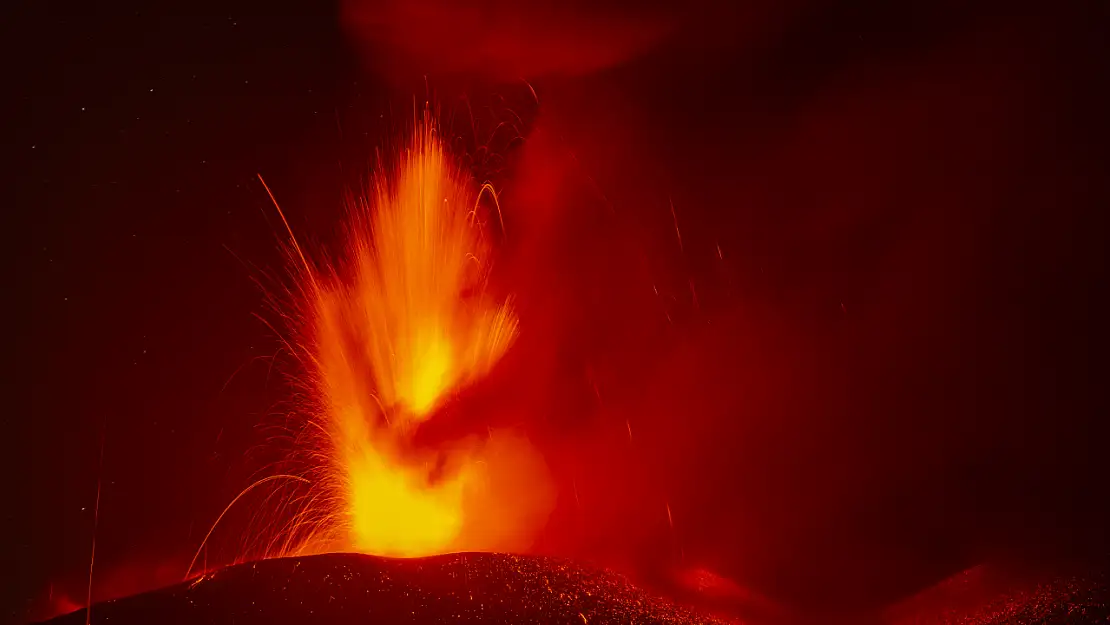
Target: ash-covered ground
[992,594]
[351,588]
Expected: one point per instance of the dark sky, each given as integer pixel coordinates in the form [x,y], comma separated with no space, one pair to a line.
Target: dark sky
[878,352]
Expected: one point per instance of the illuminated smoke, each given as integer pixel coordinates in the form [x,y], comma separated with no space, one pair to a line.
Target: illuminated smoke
[393,330]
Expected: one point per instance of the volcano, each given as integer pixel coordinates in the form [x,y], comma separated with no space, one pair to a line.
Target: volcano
[342,588]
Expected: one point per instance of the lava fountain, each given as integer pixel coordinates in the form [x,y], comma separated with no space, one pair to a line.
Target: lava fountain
[388,333]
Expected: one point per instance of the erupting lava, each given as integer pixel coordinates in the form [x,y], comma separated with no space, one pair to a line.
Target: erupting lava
[388,334]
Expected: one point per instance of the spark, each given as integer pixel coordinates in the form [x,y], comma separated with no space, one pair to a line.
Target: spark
[488,188]
[96,522]
[593,183]
[292,238]
[246,490]
[196,582]
[674,217]
[532,90]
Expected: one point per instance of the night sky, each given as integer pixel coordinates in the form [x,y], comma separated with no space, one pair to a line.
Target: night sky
[872,355]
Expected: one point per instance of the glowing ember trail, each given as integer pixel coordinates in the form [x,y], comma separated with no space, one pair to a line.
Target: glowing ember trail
[390,333]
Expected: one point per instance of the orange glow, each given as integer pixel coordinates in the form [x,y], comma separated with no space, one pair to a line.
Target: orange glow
[405,321]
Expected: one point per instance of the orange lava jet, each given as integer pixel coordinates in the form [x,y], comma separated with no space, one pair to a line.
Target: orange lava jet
[392,331]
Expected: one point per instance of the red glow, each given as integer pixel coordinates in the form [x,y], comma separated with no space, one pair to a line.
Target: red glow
[112,582]
[502,38]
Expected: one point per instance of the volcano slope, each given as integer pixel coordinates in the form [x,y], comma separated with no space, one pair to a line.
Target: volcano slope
[336,589]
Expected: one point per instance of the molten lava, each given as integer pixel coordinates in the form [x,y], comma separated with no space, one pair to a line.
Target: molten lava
[392,331]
